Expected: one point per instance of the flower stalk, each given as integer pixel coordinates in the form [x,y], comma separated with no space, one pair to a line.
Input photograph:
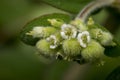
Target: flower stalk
[92,6]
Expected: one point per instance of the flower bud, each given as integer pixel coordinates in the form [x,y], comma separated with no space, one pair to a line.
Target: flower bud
[71,47]
[106,39]
[93,51]
[42,32]
[56,22]
[96,33]
[44,48]
[79,24]
[90,21]
[59,37]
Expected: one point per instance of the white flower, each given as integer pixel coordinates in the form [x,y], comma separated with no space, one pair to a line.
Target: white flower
[53,41]
[83,38]
[37,31]
[68,31]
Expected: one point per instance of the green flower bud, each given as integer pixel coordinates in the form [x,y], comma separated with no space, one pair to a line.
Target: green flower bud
[59,38]
[71,47]
[44,48]
[79,24]
[93,51]
[41,32]
[106,39]
[49,31]
[95,33]
[90,21]
[56,22]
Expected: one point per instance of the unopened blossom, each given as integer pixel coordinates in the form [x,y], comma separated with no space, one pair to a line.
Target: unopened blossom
[36,32]
[43,47]
[94,51]
[55,22]
[41,32]
[90,21]
[79,24]
[83,38]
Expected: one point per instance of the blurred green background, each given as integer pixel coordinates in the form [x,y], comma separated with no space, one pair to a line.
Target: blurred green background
[19,61]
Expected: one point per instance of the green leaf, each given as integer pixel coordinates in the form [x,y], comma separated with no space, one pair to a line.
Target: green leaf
[41,21]
[73,6]
[113,51]
[114,75]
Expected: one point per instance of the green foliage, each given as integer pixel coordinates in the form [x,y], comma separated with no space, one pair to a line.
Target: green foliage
[73,6]
[115,74]
[41,21]
[113,51]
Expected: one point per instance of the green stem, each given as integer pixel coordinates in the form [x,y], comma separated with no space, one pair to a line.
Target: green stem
[87,10]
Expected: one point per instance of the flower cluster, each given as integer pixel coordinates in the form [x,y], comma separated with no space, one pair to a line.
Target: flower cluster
[74,41]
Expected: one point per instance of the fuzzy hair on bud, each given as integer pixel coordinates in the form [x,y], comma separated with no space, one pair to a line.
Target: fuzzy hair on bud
[93,51]
[106,39]
[44,48]
[71,47]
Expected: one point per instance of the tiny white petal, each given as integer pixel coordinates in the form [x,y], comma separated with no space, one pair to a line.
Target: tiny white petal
[53,37]
[82,44]
[64,35]
[74,34]
[80,40]
[85,32]
[88,39]
[63,26]
[53,46]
